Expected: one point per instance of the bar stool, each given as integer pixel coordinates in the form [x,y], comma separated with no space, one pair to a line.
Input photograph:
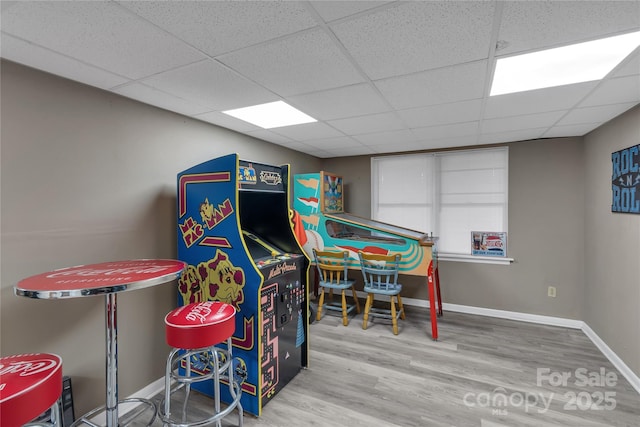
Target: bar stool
[31,384]
[193,331]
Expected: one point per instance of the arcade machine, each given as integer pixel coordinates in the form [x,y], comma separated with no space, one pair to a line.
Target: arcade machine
[235,233]
[319,203]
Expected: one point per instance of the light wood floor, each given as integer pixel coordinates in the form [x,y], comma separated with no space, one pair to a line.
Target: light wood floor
[373,378]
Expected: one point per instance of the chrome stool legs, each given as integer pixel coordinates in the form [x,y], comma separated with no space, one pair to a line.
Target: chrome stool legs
[218,365]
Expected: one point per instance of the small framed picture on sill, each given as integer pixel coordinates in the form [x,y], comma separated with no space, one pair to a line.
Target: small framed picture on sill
[489,243]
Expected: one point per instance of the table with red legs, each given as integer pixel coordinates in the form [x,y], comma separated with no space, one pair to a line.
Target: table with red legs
[108,279]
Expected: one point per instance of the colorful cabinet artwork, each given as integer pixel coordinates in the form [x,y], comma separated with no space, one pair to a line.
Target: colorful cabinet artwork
[235,233]
[319,203]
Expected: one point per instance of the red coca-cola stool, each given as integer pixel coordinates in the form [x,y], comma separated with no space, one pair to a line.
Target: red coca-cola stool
[196,332]
[30,384]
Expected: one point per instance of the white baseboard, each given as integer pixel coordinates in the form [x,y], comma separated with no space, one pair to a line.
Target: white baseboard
[633,379]
[631,376]
[489,312]
[151,390]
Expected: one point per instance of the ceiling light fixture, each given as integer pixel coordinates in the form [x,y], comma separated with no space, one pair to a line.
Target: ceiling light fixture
[566,65]
[271,115]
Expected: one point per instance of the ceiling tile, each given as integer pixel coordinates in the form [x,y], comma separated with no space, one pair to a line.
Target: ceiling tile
[458,141]
[212,84]
[160,99]
[629,67]
[348,101]
[267,135]
[598,115]
[441,86]
[615,91]
[570,130]
[537,101]
[395,147]
[514,135]
[528,25]
[303,63]
[529,121]
[301,146]
[391,137]
[350,151]
[318,153]
[313,152]
[307,131]
[34,56]
[5,4]
[332,10]
[331,143]
[101,34]
[416,36]
[367,124]
[227,121]
[446,131]
[218,27]
[465,111]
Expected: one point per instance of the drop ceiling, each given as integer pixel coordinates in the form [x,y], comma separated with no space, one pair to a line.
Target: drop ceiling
[378,76]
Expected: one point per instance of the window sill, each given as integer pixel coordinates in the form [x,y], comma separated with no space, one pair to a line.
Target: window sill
[476,259]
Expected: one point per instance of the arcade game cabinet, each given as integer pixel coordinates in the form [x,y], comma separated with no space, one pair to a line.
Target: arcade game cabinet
[235,233]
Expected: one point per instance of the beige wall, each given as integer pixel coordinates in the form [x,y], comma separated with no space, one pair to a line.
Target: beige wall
[88,176]
[546,222]
[612,246]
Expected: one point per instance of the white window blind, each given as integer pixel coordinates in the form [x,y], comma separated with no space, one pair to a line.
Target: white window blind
[449,194]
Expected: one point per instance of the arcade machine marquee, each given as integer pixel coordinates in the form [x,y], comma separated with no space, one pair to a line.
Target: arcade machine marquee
[235,233]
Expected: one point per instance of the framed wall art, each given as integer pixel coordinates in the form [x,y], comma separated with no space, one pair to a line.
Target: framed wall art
[625,180]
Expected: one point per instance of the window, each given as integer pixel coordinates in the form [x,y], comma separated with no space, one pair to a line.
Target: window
[450,194]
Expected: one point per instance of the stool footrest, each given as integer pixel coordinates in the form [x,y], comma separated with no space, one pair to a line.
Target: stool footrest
[208,363]
[216,417]
[125,417]
[203,364]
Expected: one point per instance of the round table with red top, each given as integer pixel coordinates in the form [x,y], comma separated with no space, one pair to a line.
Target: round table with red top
[108,279]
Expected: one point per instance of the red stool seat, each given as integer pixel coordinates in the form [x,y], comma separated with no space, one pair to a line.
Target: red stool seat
[199,325]
[30,384]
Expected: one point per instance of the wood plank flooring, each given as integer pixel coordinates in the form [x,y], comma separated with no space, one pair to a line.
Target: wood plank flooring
[481,372]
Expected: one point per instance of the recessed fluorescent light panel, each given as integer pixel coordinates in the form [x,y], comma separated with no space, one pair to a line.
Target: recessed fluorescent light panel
[271,115]
[566,65]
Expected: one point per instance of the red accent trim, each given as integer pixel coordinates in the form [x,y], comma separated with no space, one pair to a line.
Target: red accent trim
[438,291]
[246,342]
[376,250]
[218,242]
[197,178]
[432,302]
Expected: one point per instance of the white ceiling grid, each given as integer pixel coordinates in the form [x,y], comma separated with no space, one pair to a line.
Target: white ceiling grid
[380,76]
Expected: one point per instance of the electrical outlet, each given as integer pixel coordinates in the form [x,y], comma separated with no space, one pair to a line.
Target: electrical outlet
[551,291]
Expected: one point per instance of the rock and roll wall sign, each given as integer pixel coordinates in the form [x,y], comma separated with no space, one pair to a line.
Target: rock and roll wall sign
[625,180]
